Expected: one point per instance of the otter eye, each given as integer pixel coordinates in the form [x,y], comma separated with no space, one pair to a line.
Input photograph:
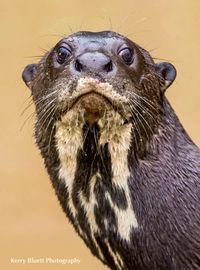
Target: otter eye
[127,55]
[62,54]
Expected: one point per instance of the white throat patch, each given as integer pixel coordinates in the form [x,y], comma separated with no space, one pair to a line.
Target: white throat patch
[118,137]
[69,139]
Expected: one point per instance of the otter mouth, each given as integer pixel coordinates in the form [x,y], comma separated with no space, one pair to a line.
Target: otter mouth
[94,100]
[94,105]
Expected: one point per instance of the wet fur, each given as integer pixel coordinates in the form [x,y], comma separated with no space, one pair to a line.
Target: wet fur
[147,170]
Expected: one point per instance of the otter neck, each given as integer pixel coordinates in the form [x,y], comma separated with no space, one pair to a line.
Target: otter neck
[96,164]
[94,168]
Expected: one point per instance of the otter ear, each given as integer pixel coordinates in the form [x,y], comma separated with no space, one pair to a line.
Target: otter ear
[28,74]
[168,72]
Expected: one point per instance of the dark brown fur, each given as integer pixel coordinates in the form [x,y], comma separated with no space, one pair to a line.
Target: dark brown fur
[164,163]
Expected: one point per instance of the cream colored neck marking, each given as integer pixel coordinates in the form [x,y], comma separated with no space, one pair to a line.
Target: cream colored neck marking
[69,139]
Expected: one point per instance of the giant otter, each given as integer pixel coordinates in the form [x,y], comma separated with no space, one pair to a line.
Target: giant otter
[126,173]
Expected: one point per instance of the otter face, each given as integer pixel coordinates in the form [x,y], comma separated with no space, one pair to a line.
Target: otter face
[96,73]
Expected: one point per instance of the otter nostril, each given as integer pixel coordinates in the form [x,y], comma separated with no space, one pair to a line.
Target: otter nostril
[109,66]
[78,66]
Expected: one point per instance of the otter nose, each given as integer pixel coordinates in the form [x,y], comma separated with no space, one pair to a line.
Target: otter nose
[94,62]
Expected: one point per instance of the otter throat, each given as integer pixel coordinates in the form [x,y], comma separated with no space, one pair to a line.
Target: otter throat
[113,132]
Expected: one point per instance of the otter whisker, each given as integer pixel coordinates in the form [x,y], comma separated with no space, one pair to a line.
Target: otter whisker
[29,118]
[34,56]
[124,20]
[37,102]
[45,106]
[52,129]
[46,97]
[134,102]
[45,115]
[32,114]
[138,115]
[110,22]
[145,110]
[134,94]
[137,129]
[137,32]
[136,126]
[136,143]
[31,102]
[51,118]
[27,99]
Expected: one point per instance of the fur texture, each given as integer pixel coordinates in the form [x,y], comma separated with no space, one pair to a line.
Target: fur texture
[128,180]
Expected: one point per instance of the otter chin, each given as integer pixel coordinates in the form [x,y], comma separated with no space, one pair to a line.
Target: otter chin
[125,172]
[93,105]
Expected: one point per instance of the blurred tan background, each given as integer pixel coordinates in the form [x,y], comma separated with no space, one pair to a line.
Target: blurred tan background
[32,223]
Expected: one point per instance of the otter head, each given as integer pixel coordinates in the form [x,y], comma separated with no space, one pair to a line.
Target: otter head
[99,77]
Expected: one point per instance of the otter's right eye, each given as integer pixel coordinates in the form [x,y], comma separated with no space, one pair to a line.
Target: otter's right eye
[63,54]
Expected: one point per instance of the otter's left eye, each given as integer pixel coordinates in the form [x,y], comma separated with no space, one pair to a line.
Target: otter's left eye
[62,54]
[127,54]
